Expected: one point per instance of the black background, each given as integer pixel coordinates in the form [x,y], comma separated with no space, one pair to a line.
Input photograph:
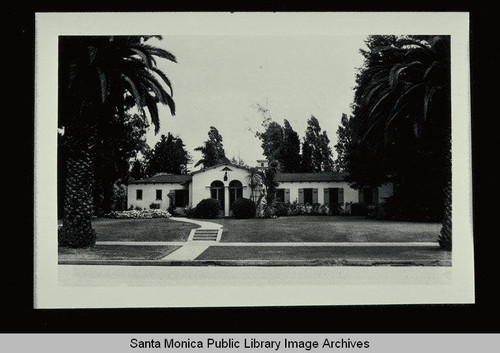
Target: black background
[16,242]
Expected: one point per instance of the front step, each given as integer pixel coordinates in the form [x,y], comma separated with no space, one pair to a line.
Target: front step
[203,234]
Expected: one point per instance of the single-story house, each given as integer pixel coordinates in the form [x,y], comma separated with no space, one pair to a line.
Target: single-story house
[227,182]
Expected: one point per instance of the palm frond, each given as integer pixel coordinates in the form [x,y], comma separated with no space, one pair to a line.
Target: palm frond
[432,68]
[407,41]
[398,69]
[164,78]
[146,59]
[153,111]
[379,102]
[162,53]
[406,94]
[161,94]
[428,99]
[372,92]
[134,91]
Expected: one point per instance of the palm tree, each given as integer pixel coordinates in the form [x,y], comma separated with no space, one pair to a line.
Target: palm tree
[408,89]
[267,179]
[99,78]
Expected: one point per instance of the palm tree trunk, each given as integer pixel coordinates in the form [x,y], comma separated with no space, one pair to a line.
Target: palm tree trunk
[77,229]
[445,238]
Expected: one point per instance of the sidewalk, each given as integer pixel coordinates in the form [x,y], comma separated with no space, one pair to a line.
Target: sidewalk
[212,253]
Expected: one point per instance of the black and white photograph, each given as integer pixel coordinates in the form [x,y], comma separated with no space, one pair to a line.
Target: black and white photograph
[246,159]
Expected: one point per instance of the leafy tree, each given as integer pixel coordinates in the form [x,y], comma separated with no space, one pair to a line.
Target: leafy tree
[279,143]
[212,150]
[344,142]
[402,122]
[272,141]
[318,141]
[290,150]
[238,161]
[138,170]
[100,78]
[168,156]
[119,139]
[306,162]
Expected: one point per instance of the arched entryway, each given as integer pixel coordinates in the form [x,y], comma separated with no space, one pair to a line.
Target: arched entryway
[235,191]
[217,192]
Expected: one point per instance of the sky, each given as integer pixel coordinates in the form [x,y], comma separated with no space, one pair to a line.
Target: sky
[219,79]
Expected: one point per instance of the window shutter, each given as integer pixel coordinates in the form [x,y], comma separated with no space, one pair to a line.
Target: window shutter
[315,195]
[375,195]
[172,193]
[361,196]
[327,196]
[340,194]
[301,196]
[287,195]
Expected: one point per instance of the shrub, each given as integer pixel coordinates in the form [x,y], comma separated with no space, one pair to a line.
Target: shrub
[359,209]
[336,210]
[243,208]
[269,212]
[154,206]
[297,209]
[119,197]
[377,211]
[207,208]
[189,211]
[138,214]
[324,209]
[282,209]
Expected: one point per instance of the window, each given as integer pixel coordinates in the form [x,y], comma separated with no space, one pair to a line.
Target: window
[235,191]
[334,196]
[280,195]
[138,194]
[217,192]
[308,196]
[158,195]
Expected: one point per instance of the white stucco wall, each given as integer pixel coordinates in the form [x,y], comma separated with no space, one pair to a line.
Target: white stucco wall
[200,184]
[199,189]
[350,195]
[149,194]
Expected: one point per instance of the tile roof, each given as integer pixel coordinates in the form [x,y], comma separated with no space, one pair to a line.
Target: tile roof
[164,178]
[308,177]
[280,177]
[220,165]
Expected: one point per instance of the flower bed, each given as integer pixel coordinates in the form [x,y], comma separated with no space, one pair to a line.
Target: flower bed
[138,214]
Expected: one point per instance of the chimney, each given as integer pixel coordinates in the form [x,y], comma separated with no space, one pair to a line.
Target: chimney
[262,164]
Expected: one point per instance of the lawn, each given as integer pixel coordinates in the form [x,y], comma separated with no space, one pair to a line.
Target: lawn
[326,254]
[116,252]
[326,229]
[154,229]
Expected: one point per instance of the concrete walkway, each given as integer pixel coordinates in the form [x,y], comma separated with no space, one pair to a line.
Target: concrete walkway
[202,224]
[192,249]
[188,252]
